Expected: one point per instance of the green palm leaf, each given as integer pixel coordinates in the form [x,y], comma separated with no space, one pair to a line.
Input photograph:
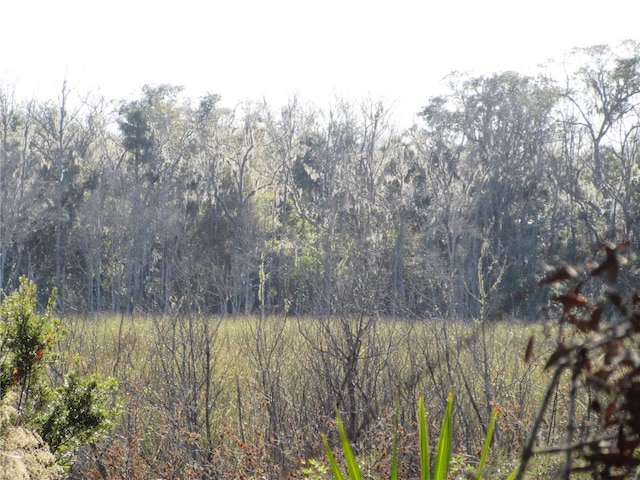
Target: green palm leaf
[443,455]
[487,444]
[423,436]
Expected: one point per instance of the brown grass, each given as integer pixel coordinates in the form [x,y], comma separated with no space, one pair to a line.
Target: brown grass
[245,398]
[23,454]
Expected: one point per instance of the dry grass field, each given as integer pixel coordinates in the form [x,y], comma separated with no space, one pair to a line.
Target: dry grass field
[208,397]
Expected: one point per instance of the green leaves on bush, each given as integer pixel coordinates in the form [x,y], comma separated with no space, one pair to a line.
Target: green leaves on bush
[27,339]
[68,416]
[80,413]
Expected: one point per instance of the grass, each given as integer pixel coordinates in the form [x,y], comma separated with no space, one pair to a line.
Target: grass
[247,397]
[442,455]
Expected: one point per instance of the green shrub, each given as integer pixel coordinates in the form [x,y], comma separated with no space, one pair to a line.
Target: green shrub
[80,413]
[67,417]
[27,339]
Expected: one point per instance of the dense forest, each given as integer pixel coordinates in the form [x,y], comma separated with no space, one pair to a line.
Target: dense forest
[167,202]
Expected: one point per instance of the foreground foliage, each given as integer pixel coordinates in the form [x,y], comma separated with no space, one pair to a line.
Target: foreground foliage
[442,456]
[597,358]
[67,410]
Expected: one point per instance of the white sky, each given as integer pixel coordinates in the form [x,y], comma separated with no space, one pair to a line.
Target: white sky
[252,49]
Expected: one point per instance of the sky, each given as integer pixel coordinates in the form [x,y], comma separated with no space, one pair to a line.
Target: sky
[397,51]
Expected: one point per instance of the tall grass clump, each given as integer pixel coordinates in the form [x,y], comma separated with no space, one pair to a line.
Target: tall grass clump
[442,458]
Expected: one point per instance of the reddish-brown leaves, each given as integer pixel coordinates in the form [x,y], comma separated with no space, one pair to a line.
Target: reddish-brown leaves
[528,353]
[561,353]
[603,357]
[564,272]
[610,266]
[571,300]
[589,324]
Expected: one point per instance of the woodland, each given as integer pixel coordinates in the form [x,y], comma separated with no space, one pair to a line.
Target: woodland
[232,280]
[166,202]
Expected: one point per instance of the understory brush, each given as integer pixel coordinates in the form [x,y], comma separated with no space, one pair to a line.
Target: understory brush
[212,397]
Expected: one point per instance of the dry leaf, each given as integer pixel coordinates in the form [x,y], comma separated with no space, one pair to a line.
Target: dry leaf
[565,272]
[528,354]
[571,300]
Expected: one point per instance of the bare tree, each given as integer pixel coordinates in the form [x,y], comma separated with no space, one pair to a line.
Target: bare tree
[602,92]
[23,200]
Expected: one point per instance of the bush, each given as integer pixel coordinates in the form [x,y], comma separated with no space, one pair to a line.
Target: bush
[79,411]
[27,340]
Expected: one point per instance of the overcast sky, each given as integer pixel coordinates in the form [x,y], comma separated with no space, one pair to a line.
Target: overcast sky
[252,49]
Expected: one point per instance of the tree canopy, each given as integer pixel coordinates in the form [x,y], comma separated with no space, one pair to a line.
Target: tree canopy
[170,202]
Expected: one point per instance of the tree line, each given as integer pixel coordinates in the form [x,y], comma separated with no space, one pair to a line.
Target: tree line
[167,202]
